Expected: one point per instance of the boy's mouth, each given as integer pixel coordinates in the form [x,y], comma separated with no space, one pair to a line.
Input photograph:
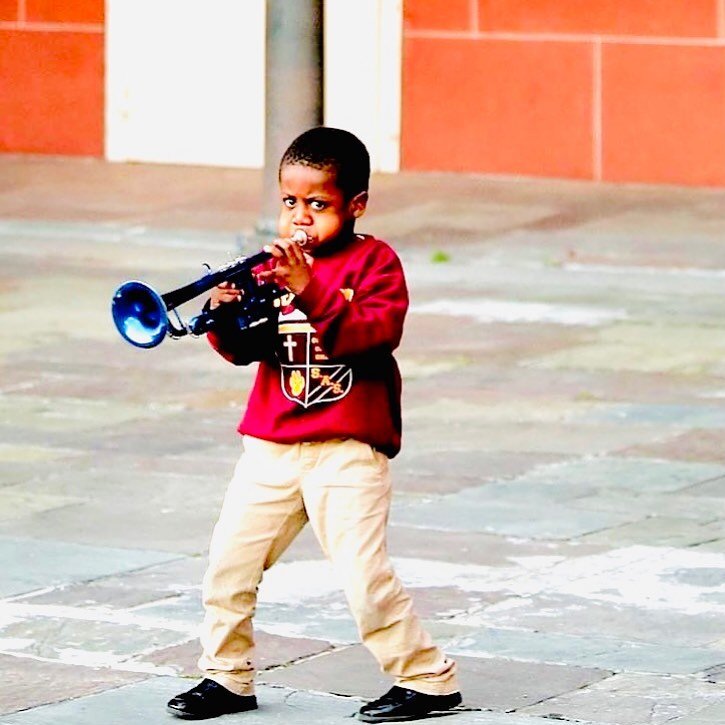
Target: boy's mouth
[301,238]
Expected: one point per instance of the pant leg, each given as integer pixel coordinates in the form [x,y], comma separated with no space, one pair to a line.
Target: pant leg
[261,514]
[347,497]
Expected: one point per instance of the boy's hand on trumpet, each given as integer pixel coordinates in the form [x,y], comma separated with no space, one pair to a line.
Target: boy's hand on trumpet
[292,268]
[223,293]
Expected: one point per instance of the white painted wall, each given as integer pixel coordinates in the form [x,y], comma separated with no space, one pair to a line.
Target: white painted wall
[185,79]
[363,50]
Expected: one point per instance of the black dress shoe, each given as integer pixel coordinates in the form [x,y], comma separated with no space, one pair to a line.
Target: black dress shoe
[209,699]
[401,704]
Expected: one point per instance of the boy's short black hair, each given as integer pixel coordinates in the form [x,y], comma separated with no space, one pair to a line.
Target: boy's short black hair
[332,148]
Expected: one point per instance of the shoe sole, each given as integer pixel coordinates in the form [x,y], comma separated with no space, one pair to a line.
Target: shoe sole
[191,716]
[407,718]
[183,715]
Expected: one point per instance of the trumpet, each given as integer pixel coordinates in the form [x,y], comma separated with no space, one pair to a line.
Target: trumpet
[141,314]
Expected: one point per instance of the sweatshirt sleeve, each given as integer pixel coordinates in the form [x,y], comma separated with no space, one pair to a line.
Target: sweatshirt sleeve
[372,319]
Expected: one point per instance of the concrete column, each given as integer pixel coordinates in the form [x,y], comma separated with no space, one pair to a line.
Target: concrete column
[293,90]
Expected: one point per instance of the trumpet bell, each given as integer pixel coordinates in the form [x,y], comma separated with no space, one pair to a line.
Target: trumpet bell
[139,313]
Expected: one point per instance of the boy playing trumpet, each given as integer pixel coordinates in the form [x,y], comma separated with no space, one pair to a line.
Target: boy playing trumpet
[322,420]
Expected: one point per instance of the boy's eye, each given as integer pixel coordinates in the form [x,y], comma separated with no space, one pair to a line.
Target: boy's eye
[318,205]
[289,202]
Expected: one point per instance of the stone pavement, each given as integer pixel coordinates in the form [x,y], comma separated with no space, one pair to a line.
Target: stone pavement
[559,513]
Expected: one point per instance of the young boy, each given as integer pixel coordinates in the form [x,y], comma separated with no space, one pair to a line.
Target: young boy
[321,423]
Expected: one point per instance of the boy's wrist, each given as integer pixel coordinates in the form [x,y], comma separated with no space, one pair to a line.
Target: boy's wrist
[298,287]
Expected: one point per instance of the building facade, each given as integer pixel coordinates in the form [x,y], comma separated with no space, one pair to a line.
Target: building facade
[603,90]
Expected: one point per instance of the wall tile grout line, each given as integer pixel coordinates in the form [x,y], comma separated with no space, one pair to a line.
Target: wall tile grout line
[22,11]
[475,20]
[597,108]
[568,38]
[721,18]
[53,27]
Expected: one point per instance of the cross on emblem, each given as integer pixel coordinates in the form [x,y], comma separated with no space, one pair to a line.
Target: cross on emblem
[290,344]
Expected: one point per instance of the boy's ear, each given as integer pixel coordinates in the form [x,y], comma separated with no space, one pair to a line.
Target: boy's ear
[358,204]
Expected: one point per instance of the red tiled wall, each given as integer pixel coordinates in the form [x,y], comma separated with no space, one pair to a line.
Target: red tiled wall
[664,113]
[627,92]
[438,14]
[518,120]
[52,76]
[600,17]
[8,10]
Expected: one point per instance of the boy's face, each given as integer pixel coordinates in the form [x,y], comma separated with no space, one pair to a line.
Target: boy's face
[312,202]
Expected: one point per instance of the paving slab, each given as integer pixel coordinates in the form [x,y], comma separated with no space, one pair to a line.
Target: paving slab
[83,642]
[509,518]
[146,702]
[497,684]
[14,502]
[614,473]
[129,589]
[153,501]
[477,548]
[591,650]
[699,444]
[631,699]
[716,540]
[324,617]
[569,440]
[67,414]
[427,472]
[701,509]
[677,416]
[715,674]
[579,615]
[666,349]
[28,683]
[445,601]
[714,488]
[710,715]
[29,564]
[655,529]
[271,651]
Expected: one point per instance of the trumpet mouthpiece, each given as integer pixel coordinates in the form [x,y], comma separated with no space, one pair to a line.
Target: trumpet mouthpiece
[300,238]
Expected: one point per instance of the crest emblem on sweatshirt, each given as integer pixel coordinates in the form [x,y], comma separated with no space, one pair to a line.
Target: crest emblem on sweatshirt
[308,375]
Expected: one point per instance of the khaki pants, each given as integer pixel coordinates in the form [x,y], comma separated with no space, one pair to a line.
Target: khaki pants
[342,487]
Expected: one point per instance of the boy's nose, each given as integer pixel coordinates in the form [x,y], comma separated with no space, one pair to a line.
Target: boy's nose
[301,217]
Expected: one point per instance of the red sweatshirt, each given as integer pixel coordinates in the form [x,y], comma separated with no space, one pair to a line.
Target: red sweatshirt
[327,370]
